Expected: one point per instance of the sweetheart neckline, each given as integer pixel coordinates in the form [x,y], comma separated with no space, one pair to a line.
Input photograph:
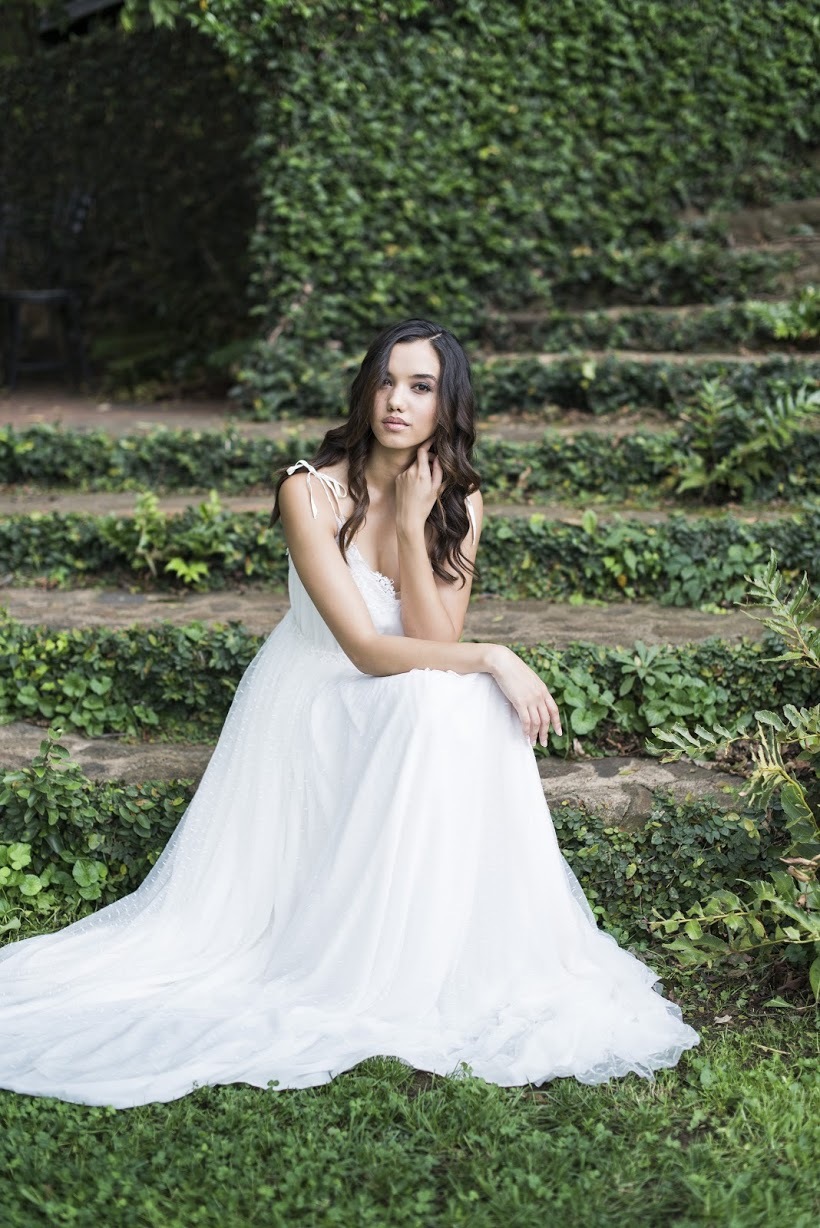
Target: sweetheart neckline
[378,574]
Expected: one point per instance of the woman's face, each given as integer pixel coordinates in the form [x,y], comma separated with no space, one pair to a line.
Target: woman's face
[405,407]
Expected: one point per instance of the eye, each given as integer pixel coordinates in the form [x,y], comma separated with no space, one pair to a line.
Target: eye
[386,382]
[423,387]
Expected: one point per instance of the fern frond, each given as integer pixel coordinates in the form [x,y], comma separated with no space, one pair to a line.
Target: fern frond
[792,616]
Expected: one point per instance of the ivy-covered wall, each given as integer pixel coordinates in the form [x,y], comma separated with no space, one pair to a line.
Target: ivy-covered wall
[152,123]
[441,158]
[437,157]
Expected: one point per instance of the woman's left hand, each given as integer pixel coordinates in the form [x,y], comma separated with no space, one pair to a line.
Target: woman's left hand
[418,488]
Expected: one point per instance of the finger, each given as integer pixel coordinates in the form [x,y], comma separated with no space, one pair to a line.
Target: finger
[544,726]
[555,715]
[522,712]
[534,724]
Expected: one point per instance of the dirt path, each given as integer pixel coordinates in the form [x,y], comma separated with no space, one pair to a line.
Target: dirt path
[489,619]
[17,501]
[56,406]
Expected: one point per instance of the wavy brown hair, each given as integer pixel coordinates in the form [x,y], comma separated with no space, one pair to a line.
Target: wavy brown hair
[453,441]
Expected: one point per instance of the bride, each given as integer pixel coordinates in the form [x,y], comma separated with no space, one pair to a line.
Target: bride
[368,865]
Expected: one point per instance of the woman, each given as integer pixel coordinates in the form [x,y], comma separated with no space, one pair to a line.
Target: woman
[368,865]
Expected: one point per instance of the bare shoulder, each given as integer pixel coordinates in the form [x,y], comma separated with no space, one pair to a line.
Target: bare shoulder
[337,470]
[293,492]
[300,508]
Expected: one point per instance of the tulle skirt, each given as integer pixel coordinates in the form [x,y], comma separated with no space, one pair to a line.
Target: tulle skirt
[367,867]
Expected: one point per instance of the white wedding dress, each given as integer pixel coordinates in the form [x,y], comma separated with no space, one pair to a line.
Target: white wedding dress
[368,867]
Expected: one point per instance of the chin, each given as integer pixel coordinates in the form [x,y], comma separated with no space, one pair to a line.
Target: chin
[399,442]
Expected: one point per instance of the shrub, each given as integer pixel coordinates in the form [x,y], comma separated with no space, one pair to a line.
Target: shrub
[783,912]
[183,678]
[678,561]
[438,160]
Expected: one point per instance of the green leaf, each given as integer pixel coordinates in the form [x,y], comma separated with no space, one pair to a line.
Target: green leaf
[86,873]
[814,978]
[793,800]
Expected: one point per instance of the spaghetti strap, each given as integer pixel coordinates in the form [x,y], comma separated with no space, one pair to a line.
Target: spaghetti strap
[471,513]
[333,488]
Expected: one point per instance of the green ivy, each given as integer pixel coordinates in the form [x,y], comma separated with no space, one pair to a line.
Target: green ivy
[556,467]
[752,325]
[68,845]
[443,160]
[279,382]
[183,679]
[681,560]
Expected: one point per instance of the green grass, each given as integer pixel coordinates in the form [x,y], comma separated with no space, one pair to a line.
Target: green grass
[728,1137]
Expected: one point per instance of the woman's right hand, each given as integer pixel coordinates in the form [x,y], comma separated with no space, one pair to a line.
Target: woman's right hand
[536,708]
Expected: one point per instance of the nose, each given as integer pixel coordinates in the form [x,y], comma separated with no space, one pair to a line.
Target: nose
[396,401]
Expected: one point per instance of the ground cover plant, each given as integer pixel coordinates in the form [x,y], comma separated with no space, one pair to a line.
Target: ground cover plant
[68,844]
[280,382]
[725,1139]
[677,560]
[179,681]
[754,325]
[724,448]
[783,911]
[561,181]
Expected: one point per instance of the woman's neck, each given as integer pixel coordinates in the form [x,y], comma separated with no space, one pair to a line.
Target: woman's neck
[382,467]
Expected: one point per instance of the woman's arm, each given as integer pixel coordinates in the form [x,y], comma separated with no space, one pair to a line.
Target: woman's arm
[431,609]
[333,591]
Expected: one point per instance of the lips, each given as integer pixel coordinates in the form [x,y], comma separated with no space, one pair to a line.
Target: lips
[393,422]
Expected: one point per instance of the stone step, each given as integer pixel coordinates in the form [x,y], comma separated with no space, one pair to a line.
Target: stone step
[15,501]
[757,226]
[22,409]
[617,789]
[53,404]
[85,414]
[489,619]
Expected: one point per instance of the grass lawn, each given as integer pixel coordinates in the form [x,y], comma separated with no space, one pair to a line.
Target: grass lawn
[730,1137]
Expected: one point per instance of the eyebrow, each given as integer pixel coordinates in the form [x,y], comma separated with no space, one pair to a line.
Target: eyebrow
[419,375]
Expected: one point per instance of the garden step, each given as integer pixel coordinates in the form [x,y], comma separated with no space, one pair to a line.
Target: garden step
[23,502]
[756,226]
[618,789]
[489,619]
[75,413]
[72,412]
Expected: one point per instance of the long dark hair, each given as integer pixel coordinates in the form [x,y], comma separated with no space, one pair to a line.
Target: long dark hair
[453,440]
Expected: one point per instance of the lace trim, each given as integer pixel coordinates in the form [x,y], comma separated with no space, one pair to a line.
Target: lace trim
[384,583]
